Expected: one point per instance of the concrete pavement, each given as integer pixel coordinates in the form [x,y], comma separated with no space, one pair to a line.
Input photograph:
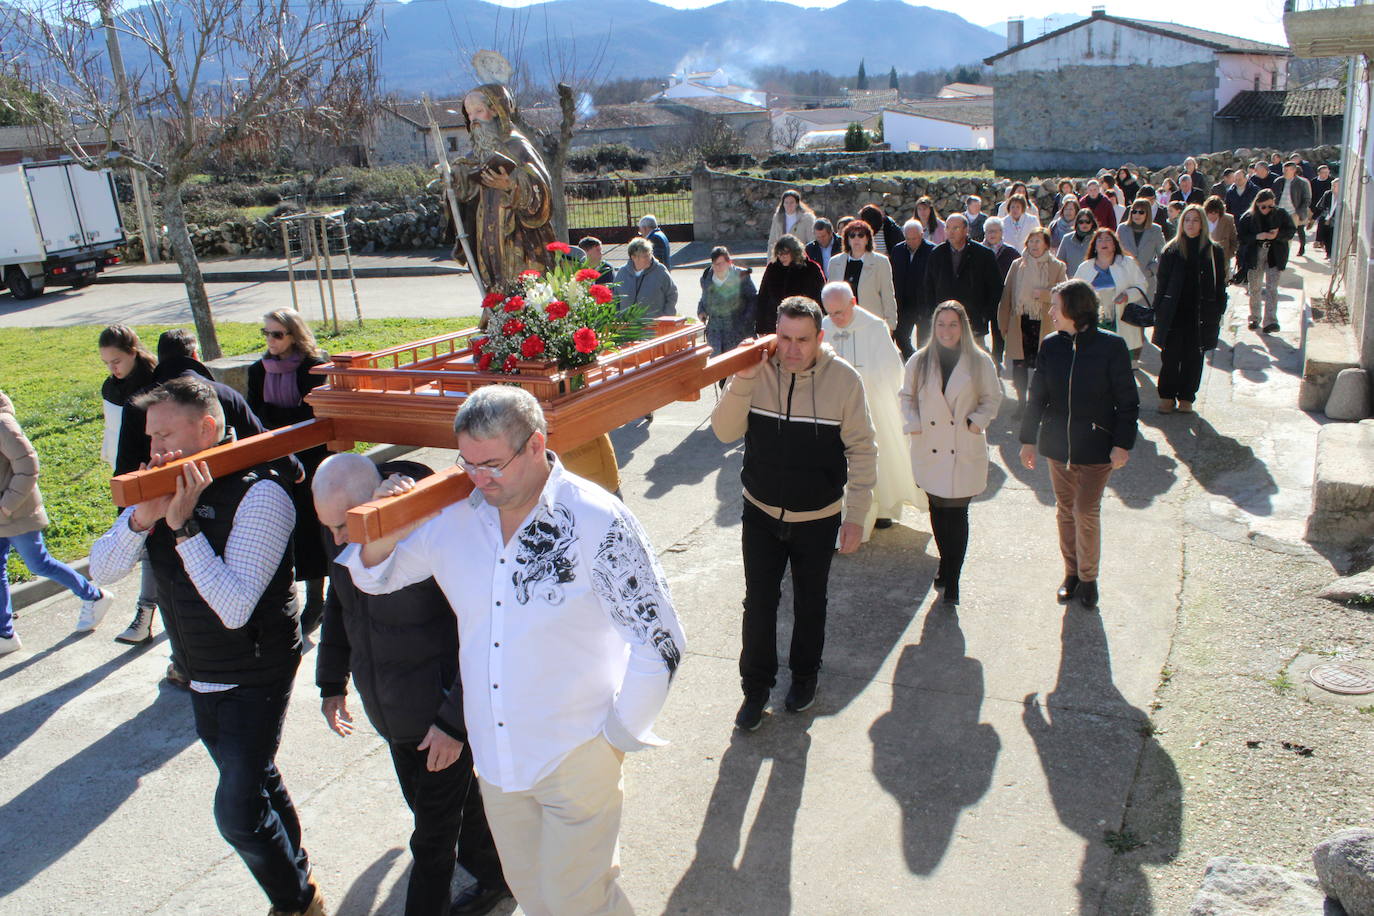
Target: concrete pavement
[970,763]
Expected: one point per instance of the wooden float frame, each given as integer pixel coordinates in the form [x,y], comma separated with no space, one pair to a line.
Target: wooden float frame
[413,400]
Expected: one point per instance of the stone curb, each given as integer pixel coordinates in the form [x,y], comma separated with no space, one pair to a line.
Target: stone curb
[280,275]
[27,594]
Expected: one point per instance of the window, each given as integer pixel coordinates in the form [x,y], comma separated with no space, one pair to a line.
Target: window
[453,144]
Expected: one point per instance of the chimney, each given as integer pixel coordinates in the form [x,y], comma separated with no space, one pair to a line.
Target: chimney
[1099,12]
[1016,31]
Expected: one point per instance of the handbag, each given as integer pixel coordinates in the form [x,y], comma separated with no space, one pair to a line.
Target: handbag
[1142,316]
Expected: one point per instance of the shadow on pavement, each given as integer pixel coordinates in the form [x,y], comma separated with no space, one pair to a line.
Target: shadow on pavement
[1220,464]
[90,786]
[361,899]
[761,884]
[37,657]
[930,752]
[1092,746]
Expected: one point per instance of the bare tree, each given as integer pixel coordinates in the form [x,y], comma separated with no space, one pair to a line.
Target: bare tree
[204,76]
[787,133]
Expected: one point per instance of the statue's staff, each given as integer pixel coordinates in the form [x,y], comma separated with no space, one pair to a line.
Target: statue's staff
[437,136]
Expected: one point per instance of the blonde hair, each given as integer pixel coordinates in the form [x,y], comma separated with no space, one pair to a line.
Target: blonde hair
[1204,236]
[928,356]
[302,338]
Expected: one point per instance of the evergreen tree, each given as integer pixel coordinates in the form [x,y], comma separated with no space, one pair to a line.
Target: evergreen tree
[892,79]
[862,82]
[856,138]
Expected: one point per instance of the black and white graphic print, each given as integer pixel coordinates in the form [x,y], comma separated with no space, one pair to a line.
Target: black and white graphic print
[544,559]
[623,577]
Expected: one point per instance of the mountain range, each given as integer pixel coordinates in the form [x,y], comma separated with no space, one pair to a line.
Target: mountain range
[424,43]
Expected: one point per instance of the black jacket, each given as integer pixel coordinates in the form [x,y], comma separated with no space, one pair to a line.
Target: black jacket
[778,283]
[814,252]
[1006,256]
[975,225]
[272,416]
[909,278]
[263,651]
[1083,400]
[1250,225]
[1209,293]
[1237,202]
[977,286]
[400,648]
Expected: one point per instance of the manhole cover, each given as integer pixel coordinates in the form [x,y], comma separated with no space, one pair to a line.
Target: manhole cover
[1339,678]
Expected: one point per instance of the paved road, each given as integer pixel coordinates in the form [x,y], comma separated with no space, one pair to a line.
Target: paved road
[165,303]
[959,764]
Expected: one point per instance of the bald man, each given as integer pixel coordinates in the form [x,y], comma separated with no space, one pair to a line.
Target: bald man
[402,652]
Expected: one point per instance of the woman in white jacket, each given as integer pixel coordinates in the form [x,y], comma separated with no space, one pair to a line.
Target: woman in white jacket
[949,396]
[1117,279]
[791,218]
[868,273]
[1018,223]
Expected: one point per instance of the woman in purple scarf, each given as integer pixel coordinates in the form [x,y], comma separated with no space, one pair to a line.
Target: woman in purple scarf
[277,386]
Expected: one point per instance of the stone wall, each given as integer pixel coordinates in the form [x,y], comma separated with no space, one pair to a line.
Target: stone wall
[1082,118]
[825,164]
[1283,133]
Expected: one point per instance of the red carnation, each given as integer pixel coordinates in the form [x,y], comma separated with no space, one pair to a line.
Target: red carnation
[532,347]
[478,343]
[557,309]
[485,362]
[530,273]
[512,327]
[587,273]
[560,247]
[492,300]
[515,303]
[508,365]
[600,293]
[584,339]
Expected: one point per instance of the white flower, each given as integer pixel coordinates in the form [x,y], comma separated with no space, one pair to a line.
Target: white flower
[539,294]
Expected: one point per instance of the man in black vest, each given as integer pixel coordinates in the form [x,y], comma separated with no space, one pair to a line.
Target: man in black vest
[401,649]
[221,554]
[909,261]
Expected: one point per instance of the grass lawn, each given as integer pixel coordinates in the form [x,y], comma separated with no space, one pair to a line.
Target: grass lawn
[252,213]
[53,375]
[984,174]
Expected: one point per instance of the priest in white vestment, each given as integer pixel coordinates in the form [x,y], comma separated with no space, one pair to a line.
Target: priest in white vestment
[863,340]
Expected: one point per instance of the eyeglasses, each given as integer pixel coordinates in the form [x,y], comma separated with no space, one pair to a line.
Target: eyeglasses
[856,235]
[274,335]
[493,472]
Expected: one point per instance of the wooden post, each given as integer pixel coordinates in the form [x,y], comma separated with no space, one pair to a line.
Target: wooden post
[348,263]
[290,269]
[329,272]
[309,229]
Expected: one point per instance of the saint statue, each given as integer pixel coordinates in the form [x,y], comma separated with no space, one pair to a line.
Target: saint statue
[505,189]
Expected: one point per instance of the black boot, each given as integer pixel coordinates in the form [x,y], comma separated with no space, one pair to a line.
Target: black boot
[1065,593]
[1087,594]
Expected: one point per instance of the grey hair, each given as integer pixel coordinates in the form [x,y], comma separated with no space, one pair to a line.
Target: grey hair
[639,246]
[913,223]
[500,410]
[649,220]
[836,287]
[959,216]
[347,477]
[994,222]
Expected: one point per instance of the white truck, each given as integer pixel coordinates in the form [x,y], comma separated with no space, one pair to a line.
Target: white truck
[60,225]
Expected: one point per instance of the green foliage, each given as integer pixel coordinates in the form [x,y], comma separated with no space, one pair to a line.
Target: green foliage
[19,103]
[892,81]
[57,402]
[1282,683]
[856,138]
[607,157]
[862,81]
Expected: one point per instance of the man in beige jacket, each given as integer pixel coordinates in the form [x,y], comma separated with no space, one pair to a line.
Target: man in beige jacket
[809,452]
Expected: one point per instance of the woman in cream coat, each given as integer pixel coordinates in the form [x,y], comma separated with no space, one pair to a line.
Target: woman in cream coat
[1117,279]
[873,288]
[949,396]
[791,218]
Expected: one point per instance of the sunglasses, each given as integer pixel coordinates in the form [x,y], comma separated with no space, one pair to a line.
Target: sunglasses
[1265,209]
[274,335]
[1146,212]
[856,235]
[1085,222]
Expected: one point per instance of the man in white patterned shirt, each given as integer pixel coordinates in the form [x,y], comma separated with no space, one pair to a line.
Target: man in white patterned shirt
[567,644]
[221,554]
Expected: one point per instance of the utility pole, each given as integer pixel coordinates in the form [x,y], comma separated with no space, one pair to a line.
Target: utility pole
[137,178]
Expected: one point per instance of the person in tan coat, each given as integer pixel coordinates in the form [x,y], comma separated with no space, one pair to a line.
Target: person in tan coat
[1221,228]
[949,396]
[1024,312]
[791,218]
[22,520]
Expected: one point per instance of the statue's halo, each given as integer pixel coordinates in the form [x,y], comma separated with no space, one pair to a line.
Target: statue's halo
[492,67]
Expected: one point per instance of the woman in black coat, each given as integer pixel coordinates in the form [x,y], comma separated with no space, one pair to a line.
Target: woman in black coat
[277,386]
[1081,415]
[1189,301]
[791,273]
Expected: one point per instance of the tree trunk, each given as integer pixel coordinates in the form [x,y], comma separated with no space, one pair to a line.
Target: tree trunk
[567,102]
[185,254]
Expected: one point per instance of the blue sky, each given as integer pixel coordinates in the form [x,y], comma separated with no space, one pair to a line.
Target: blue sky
[1258,19]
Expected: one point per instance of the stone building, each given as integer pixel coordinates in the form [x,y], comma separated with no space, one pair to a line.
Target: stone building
[399,133]
[1107,90]
[1283,118]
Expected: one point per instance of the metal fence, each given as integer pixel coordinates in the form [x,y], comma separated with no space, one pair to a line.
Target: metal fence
[610,208]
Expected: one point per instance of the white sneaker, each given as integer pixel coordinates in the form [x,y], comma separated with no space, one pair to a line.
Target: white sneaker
[141,628]
[92,612]
[10,644]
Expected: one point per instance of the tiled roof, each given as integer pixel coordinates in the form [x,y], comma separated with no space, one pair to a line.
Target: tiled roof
[448,112]
[951,90]
[714,104]
[608,117]
[1290,103]
[1214,40]
[975,112]
[829,115]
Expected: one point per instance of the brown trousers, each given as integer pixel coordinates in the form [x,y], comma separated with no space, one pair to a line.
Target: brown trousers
[1078,496]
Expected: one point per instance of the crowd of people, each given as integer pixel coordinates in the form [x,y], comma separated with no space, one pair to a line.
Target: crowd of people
[513,648]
